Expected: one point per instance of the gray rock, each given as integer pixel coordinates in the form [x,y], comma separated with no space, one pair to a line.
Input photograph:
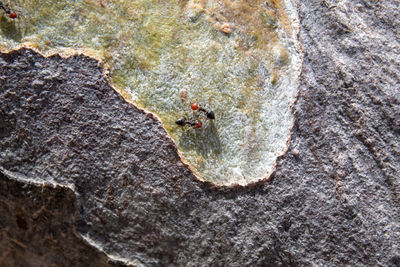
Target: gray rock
[38,227]
[88,179]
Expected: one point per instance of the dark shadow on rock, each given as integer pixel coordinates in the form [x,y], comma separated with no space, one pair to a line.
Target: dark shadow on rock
[205,140]
[9,29]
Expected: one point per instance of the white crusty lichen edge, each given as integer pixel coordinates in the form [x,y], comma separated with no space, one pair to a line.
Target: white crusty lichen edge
[291,9]
[296,53]
[296,56]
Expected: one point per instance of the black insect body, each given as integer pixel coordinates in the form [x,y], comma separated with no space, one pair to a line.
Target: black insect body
[209,113]
[182,122]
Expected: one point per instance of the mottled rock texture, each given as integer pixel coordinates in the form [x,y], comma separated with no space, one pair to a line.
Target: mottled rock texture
[333,200]
[38,227]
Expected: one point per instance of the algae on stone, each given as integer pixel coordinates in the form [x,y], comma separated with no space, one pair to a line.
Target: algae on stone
[239,58]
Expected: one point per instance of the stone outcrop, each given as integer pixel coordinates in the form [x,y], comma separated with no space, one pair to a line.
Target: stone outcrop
[89,179]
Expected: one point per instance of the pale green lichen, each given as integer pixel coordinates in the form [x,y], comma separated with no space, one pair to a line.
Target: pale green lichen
[155,49]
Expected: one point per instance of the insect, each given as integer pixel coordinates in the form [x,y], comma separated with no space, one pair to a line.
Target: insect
[183,122]
[10,13]
[195,121]
[209,113]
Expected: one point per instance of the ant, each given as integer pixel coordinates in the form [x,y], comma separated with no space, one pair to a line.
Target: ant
[10,13]
[197,124]
[183,122]
[209,113]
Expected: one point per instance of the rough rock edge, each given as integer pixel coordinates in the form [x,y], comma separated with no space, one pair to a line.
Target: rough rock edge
[111,259]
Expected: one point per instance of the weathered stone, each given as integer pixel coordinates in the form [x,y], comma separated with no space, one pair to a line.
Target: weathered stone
[333,200]
[241,60]
[38,226]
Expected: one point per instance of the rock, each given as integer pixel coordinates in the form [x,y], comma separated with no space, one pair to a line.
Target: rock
[38,226]
[114,190]
[238,59]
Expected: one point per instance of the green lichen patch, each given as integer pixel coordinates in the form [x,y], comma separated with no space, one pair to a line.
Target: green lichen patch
[239,58]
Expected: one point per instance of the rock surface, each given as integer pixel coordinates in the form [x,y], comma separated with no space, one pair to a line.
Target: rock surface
[88,179]
[240,59]
[38,227]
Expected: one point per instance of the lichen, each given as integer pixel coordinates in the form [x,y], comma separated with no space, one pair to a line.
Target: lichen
[239,58]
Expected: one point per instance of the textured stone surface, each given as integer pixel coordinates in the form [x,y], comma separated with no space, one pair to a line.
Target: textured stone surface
[241,59]
[333,200]
[38,227]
